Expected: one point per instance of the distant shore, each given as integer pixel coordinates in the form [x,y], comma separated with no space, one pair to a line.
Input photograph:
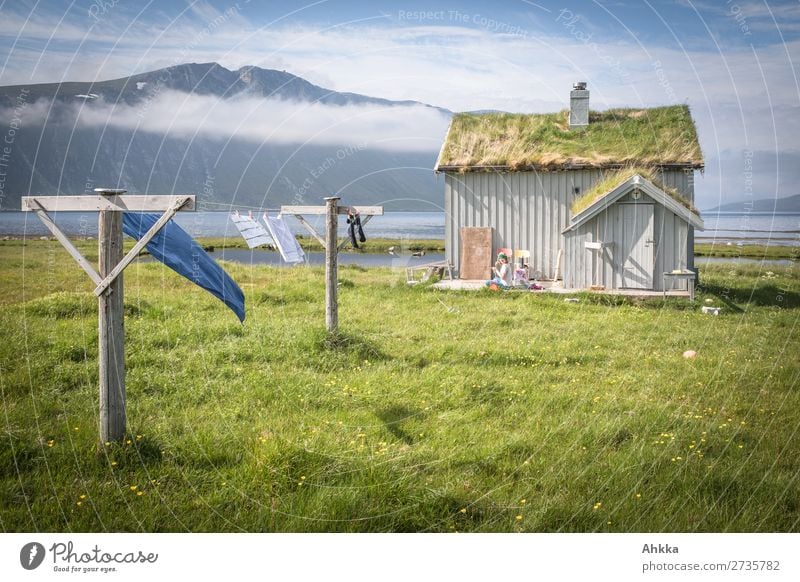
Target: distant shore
[749,251]
[411,246]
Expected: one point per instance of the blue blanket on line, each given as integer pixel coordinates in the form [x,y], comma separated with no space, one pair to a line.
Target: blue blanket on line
[180,252]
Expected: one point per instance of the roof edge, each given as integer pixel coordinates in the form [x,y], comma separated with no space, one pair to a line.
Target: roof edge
[560,167]
[441,149]
[635,182]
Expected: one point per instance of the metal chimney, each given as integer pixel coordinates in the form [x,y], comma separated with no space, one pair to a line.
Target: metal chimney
[578,106]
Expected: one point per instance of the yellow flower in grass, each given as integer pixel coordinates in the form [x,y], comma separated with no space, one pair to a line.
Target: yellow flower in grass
[597,505]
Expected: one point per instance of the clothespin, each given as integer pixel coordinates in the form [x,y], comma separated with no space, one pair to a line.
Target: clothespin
[250,214]
[237,213]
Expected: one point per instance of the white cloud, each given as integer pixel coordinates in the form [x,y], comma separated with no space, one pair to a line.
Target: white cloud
[406,128]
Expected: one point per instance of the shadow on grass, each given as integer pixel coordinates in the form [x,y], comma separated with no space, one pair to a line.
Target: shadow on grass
[393,418]
[134,451]
[284,298]
[768,295]
[343,349]
[491,393]
[652,302]
[17,457]
[509,360]
[62,305]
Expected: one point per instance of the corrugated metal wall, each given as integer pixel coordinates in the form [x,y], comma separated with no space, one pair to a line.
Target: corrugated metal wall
[528,210]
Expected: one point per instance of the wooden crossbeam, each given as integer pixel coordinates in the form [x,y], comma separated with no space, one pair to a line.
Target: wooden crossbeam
[362,210]
[92,203]
[134,252]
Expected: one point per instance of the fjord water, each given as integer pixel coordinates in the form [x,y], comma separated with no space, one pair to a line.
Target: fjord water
[756,228]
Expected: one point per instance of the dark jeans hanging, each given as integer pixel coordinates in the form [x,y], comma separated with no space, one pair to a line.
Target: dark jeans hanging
[355,221]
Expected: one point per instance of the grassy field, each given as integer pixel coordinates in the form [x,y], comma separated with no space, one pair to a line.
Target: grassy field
[747,251]
[428,411]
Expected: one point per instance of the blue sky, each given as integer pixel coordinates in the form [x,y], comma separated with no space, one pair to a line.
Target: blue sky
[733,62]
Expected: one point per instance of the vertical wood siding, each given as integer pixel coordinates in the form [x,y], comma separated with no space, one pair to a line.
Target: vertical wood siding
[529,210]
[586,267]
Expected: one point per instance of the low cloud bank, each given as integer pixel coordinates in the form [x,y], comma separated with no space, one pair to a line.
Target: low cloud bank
[397,128]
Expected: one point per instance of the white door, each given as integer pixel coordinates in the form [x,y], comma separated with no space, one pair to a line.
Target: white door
[638,246]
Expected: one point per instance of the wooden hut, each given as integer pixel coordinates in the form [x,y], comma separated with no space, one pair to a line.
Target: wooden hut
[541,180]
[628,236]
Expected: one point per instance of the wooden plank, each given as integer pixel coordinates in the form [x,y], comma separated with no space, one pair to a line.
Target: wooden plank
[363,210]
[119,202]
[476,252]
[112,332]
[134,252]
[320,210]
[331,265]
[66,243]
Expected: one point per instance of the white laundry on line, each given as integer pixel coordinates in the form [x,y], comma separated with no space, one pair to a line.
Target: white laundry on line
[253,233]
[287,244]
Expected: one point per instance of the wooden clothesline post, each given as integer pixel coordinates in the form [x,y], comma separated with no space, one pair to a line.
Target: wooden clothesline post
[111,328]
[330,242]
[110,204]
[331,264]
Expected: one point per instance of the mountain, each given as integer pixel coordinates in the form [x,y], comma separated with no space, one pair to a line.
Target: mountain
[786,204]
[53,153]
[199,79]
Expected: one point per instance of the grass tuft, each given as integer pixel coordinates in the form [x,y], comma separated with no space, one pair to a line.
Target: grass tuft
[614,178]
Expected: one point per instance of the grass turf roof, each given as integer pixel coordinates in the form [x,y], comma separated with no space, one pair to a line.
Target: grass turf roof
[613,179]
[660,136]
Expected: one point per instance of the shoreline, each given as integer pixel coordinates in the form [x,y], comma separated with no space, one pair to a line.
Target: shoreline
[752,250]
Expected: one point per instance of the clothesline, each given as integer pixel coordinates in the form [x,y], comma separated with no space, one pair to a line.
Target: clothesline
[255,209]
[277,231]
[233,207]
